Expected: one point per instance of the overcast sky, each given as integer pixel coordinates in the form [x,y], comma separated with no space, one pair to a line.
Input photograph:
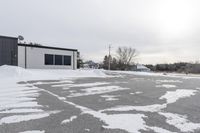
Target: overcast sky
[163,31]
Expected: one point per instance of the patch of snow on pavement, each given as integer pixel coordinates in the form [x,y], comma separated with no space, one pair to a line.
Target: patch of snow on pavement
[87,129]
[58,82]
[122,121]
[115,121]
[166,86]
[22,99]
[69,120]
[132,123]
[137,79]
[33,131]
[13,95]
[148,108]
[23,110]
[173,96]
[21,118]
[159,130]
[82,85]
[97,90]
[137,92]
[181,122]
[170,96]
[110,97]
[21,105]
[169,81]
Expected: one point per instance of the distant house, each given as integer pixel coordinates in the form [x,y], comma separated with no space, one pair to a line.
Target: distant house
[142,68]
[91,64]
[35,56]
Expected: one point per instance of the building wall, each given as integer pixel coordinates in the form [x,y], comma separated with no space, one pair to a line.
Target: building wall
[75,60]
[8,51]
[35,58]
[21,56]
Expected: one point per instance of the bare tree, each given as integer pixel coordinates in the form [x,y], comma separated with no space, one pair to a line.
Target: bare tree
[125,56]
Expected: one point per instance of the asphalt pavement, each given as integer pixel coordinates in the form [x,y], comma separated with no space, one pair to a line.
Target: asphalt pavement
[69,99]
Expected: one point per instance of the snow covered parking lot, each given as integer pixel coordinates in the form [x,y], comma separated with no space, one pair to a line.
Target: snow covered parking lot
[97,101]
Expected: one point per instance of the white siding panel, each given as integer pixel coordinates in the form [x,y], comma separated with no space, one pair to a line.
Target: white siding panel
[36,60]
[21,56]
[75,60]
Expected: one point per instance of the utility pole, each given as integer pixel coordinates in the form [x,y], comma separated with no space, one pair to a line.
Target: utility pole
[109,60]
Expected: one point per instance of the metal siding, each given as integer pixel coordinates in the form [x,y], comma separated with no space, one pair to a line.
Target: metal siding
[8,51]
[1,51]
[34,54]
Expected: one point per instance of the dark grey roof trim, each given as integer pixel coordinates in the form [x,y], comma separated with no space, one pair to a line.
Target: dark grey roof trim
[8,37]
[47,47]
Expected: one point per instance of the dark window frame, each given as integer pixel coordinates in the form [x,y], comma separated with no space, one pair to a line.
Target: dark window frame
[58,60]
[67,60]
[47,60]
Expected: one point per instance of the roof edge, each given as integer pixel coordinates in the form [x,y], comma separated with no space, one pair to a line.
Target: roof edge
[8,37]
[47,47]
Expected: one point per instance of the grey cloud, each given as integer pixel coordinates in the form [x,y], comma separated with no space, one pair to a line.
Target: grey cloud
[91,25]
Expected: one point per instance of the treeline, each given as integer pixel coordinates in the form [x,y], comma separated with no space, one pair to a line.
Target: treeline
[181,67]
[114,64]
[124,59]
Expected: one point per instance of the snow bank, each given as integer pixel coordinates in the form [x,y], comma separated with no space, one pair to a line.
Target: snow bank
[13,71]
[138,73]
[45,74]
[175,75]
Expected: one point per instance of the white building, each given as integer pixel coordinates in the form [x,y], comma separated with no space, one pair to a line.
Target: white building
[36,56]
[142,68]
[90,64]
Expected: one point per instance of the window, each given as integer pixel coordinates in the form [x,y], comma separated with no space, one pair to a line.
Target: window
[67,60]
[48,59]
[58,60]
